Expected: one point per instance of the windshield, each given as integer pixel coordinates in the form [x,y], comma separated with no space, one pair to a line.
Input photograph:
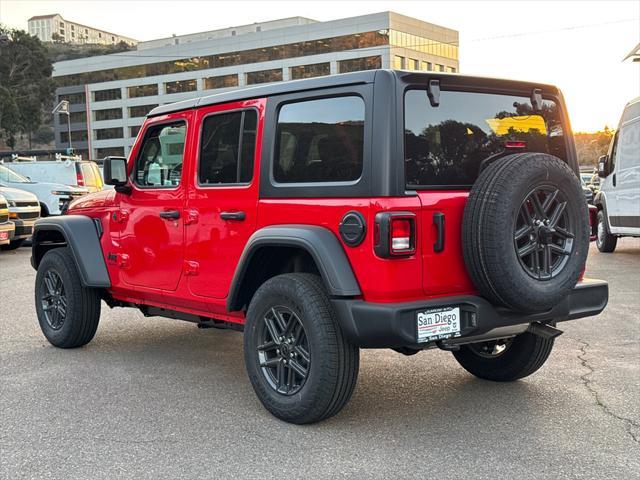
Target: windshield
[449,144]
[7,175]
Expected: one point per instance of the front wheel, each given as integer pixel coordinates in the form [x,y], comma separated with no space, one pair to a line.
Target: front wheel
[605,242]
[299,363]
[68,312]
[505,360]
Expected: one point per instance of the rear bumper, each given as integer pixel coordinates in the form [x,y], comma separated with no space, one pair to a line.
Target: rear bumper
[380,325]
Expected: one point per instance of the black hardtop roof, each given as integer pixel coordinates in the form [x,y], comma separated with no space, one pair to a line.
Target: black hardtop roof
[343,79]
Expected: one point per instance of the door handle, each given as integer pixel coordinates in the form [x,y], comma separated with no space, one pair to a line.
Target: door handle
[170,214]
[438,220]
[233,216]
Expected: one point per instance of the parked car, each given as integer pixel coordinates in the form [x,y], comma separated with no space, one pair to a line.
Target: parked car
[24,210]
[378,209]
[79,173]
[586,189]
[618,200]
[52,197]
[7,227]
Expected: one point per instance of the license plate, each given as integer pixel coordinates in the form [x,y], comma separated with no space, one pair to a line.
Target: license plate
[4,235]
[438,323]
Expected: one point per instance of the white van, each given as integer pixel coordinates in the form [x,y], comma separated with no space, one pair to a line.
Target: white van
[618,201]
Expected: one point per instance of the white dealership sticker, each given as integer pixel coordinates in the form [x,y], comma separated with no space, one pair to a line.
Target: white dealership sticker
[438,323]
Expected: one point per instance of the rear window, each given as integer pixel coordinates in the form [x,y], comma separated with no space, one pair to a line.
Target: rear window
[91,175]
[447,145]
[320,141]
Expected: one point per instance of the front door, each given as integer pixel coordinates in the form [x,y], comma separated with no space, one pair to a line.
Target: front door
[223,199]
[152,231]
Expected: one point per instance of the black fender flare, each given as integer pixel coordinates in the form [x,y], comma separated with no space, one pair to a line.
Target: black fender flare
[323,246]
[82,236]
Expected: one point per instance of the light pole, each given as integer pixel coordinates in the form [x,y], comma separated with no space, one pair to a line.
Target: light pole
[63,108]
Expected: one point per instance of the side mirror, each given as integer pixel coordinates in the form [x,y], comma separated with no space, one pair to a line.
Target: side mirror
[603,166]
[115,173]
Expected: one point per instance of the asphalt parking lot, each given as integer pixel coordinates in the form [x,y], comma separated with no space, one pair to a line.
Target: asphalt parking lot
[151,397]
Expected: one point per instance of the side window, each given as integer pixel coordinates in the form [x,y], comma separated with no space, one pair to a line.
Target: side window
[613,159]
[159,162]
[227,148]
[320,141]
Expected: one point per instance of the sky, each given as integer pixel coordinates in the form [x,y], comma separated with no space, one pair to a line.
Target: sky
[576,45]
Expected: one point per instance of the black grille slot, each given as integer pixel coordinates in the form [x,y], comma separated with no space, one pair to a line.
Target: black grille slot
[27,204]
[27,215]
[4,218]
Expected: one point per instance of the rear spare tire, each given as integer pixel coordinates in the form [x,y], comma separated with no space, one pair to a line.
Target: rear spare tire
[525,234]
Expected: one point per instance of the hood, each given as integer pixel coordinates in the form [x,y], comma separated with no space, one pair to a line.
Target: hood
[103,198]
[17,195]
[48,186]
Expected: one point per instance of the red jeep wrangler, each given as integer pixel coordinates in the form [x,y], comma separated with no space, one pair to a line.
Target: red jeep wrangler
[377,209]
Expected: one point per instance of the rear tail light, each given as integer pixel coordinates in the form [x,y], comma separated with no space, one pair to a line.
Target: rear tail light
[515,144]
[395,234]
[79,179]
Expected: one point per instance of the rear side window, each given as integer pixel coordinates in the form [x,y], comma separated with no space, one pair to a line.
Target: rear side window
[320,141]
[159,163]
[227,148]
[447,145]
[89,175]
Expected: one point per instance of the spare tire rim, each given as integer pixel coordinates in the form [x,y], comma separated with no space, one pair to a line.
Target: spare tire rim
[543,234]
[283,350]
[54,300]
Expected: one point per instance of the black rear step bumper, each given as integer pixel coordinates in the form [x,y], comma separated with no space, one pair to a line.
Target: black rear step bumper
[384,325]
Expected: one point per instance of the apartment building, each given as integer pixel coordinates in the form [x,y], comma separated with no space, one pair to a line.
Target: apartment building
[50,28]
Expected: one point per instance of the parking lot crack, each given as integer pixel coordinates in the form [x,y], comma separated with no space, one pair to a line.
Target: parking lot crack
[588,383]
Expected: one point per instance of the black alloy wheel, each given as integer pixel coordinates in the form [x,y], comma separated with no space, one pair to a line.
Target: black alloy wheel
[54,300]
[283,352]
[543,235]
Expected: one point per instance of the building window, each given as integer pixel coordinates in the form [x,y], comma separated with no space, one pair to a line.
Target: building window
[451,69]
[399,62]
[423,44]
[414,64]
[359,64]
[110,152]
[106,95]
[140,110]
[231,59]
[109,133]
[181,86]
[427,67]
[439,68]
[72,98]
[227,148]
[108,114]
[143,90]
[309,71]
[133,131]
[320,141]
[264,76]
[222,81]
[78,117]
[76,136]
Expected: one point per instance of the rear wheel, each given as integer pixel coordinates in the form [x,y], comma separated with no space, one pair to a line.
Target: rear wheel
[604,240]
[505,360]
[68,313]
[299,363]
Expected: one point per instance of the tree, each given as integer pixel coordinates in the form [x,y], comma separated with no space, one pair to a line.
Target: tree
[26,87]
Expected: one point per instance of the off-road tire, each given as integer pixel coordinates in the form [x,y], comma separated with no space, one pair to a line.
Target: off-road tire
[488,230]
[13,245]
[605,242]
[523,356]
[82,304]
[334,362]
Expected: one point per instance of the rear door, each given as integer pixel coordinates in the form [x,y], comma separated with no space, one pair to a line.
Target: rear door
[444,149]
[221,211]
